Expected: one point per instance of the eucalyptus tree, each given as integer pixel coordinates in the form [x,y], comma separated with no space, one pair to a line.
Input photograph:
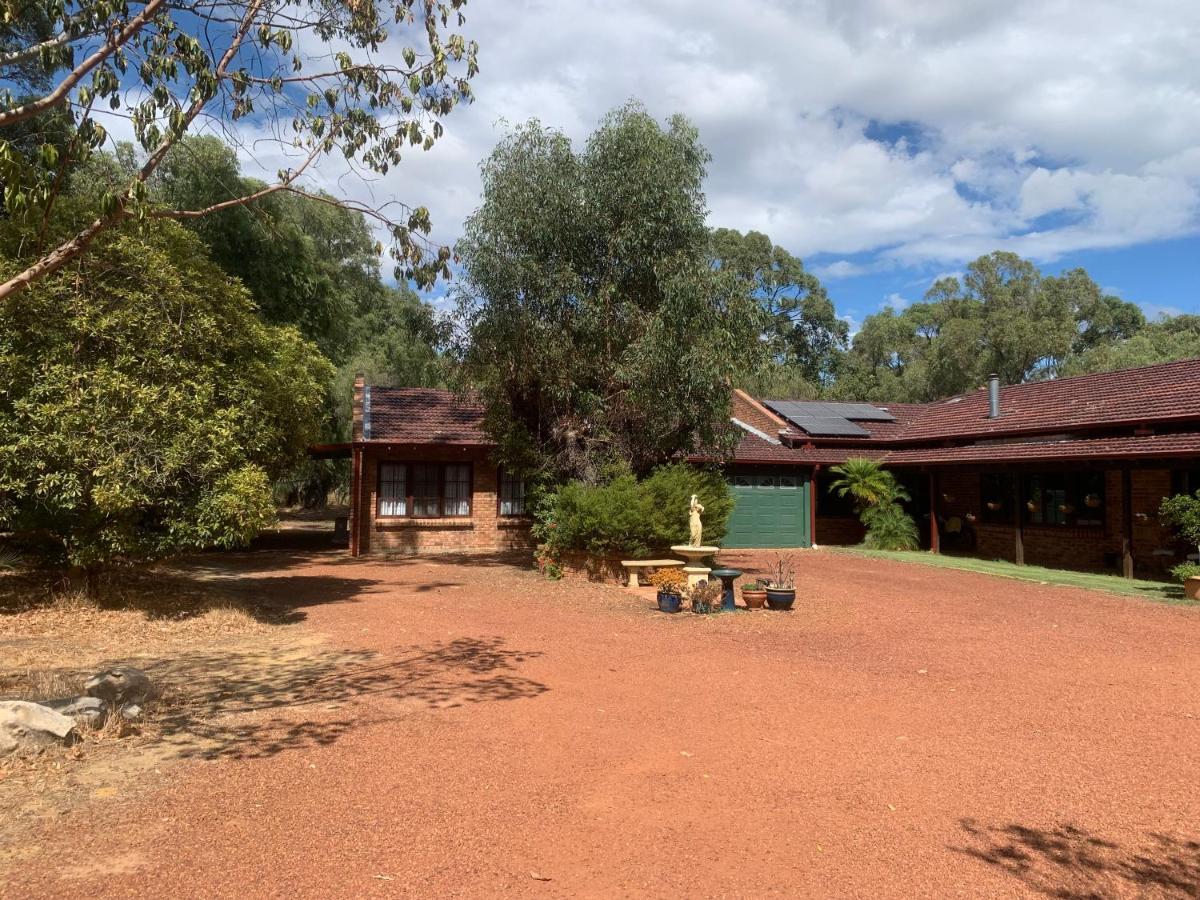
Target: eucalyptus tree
[804,334]
[1002,315]
[306,76]
[590,317]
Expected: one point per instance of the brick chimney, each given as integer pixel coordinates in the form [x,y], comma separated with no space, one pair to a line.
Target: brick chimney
[360,382]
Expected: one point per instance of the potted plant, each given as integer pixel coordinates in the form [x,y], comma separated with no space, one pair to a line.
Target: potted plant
[670,583]
[705,596]
[781,586]
[754,595]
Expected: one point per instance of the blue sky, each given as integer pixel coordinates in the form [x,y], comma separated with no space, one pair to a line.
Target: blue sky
[885,142]
[1161,276]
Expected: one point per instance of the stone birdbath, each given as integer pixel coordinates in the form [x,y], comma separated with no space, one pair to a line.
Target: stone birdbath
[694,568]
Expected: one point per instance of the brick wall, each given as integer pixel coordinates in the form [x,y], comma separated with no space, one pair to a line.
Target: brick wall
[1075,548]
[838,530]
[746,409]
[484,530]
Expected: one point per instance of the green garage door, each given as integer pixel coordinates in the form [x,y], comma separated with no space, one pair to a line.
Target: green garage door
[771,511]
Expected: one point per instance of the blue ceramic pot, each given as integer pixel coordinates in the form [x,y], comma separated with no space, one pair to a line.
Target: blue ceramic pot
[669,603]
[780,598]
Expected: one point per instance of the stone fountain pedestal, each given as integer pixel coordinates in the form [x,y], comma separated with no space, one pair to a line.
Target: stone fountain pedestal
[694,571]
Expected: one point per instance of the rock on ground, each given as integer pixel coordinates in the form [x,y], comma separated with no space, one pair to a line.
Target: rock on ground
[31,726]
[123,684]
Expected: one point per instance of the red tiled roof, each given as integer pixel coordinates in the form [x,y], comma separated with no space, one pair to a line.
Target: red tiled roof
[1157,393]
[1063,411]
[423,416]
[1155,445]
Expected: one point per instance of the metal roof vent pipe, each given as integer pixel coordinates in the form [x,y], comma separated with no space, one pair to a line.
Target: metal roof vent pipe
[993,396]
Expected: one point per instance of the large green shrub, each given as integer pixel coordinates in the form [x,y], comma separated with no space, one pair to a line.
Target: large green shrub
[889,527]
[636,518]
[144,406]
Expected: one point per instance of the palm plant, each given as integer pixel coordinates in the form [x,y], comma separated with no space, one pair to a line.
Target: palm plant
[877,497]
[867,482]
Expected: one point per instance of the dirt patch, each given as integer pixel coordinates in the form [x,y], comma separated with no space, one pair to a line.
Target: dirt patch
[464,728]
[196,639]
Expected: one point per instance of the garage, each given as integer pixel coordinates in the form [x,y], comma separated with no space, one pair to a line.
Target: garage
[771,510]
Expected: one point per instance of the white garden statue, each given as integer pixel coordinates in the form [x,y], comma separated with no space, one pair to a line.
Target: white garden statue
[695,529]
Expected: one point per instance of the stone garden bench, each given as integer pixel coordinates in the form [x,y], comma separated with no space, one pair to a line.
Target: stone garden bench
[633,565]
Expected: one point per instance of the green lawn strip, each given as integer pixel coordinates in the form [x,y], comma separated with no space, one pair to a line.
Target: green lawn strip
[1130,587]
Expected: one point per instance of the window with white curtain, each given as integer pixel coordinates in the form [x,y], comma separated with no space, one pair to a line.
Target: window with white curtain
[456,490]
[424,490]
[393,489]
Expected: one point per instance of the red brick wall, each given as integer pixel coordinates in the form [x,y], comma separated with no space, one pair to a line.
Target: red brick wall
[483,530]
[748,410]
[838,530]
[1075,548]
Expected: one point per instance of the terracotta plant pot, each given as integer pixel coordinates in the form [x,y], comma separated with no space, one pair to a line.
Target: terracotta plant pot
[780,598]
[1191,588]
[754,599]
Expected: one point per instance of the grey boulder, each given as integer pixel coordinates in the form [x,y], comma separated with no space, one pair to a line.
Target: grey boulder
[90,711]
[31,726]
[120,685]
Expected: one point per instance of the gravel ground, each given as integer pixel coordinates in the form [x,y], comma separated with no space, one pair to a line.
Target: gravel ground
[905,732]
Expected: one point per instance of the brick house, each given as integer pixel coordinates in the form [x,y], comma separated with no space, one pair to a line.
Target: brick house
[1065,473]
[422,476]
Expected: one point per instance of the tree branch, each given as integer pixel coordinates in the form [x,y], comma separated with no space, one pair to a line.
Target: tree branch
[181,214]
[59,94]
[69,249]
[15,57]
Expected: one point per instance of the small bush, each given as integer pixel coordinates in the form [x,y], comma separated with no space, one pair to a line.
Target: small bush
[1184,571]
[889,527]
[630,517]
[668,580]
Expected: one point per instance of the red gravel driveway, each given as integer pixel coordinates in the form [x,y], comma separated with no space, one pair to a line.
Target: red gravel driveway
[905,732]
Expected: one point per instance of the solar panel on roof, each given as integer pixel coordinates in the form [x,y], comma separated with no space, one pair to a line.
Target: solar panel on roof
[829,426]
[864,412]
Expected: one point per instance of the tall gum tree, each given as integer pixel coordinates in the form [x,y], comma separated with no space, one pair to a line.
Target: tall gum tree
[590,317]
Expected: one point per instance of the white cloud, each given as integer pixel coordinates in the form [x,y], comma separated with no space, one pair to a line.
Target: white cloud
[1044,128]
[1155,311]
[841,268]
[896,301]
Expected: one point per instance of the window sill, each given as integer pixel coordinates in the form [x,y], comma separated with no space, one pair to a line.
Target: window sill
[387,523]
[514,521]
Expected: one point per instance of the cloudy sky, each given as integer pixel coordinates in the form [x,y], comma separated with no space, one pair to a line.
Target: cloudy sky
[884,141]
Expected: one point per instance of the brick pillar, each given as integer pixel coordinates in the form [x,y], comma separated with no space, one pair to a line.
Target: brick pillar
[935,506]
[356,457]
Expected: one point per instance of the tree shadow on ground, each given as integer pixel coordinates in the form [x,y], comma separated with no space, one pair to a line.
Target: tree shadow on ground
[173,594]
[259,703]
[1072,863]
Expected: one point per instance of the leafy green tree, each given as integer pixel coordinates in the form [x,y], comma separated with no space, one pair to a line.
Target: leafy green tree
[590,318]
[307,261]
[1182,513]
[220,63]
[803,328]
[1002,316]
[146,408]
[1166,340]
